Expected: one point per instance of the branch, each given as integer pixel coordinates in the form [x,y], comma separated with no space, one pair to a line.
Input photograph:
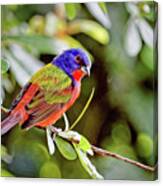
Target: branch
[106,153]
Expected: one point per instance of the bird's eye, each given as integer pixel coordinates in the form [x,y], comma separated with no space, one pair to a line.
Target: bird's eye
[78,60]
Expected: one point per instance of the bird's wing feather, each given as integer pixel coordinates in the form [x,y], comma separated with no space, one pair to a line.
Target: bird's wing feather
[39,110]
[55,90]
[52,81]
[19,97]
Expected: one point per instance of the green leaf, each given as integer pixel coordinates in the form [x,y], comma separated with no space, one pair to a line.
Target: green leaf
[84,145]
[70,10]
[144,145]
[86,163]
[6,173]
[80,140]
[121,133]
[4,66]
[65,148]
[4,155]
[147,57]
[92,29]
[50,170]
[3,151]
[40,43]
[103,7]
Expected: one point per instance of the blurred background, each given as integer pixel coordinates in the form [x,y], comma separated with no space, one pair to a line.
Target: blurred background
[121,39]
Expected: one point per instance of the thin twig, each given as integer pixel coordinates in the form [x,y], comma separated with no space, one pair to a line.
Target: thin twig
[66,122]
[106,153]
[5,110]
[84,109]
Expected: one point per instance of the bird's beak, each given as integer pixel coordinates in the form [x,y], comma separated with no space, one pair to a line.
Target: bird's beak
[86,70]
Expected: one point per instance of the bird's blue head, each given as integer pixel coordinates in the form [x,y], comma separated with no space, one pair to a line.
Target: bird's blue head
[73,60]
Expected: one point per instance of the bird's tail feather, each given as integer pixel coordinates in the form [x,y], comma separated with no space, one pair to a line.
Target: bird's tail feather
[9,123]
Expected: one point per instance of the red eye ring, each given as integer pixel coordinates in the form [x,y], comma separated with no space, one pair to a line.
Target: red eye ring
[78,60]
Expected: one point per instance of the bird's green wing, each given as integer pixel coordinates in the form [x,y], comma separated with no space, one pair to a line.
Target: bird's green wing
[52,81]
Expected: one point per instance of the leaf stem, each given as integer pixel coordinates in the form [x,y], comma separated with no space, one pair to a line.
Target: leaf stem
[5,110]
[66,122]
[84,109]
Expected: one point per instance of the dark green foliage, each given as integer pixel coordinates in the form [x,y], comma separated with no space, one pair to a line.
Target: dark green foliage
[144,145]
[4,66]
[120,117]
[50,170]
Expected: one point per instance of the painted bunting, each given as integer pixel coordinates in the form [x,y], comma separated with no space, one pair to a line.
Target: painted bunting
[50,92]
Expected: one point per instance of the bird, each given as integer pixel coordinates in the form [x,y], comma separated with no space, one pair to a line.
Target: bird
[50,92]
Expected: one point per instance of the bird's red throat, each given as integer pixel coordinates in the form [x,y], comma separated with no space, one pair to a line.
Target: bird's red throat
[78,74]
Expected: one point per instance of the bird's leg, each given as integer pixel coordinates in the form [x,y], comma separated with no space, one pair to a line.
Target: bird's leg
[49,136]
[66,122]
